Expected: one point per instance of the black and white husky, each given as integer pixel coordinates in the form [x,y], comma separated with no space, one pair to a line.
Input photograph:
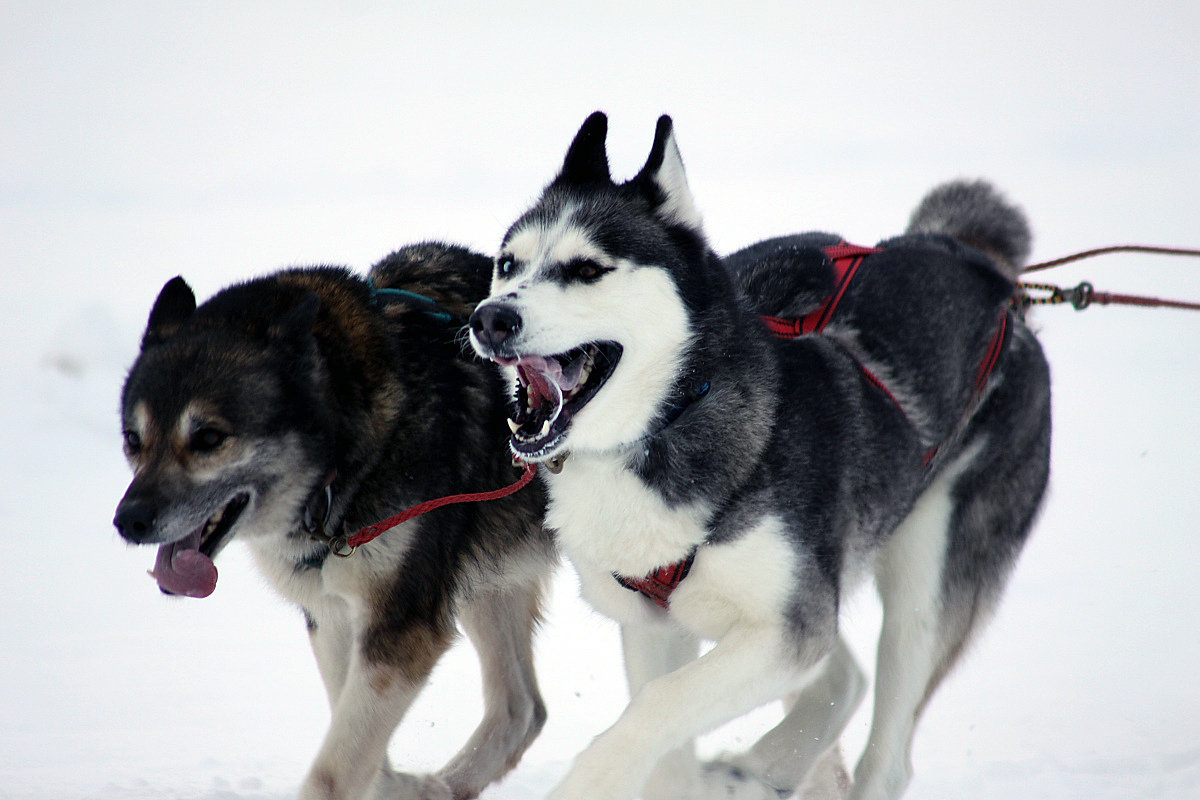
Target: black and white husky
[713,480]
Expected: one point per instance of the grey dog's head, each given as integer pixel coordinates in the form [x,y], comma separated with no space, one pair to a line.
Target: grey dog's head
[214,421]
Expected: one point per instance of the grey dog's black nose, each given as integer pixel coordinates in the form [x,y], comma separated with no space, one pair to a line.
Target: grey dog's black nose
[493,323]
[135,520]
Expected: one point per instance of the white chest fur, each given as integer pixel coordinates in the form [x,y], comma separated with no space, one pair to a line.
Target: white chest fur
[609,519]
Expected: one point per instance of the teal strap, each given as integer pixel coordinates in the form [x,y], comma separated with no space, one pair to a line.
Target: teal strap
[425,305]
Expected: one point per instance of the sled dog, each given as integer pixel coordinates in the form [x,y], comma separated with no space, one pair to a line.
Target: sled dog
[308,404]
[734,443]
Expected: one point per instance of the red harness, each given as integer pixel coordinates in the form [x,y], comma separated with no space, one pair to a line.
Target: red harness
[659,584]
[846,259]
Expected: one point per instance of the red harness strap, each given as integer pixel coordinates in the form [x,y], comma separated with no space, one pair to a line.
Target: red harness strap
[659,584]
[992,357]
[846,258]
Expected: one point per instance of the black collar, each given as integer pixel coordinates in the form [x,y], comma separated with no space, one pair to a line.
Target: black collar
[676,409]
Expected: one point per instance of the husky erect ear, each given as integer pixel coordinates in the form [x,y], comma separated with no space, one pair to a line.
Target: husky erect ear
[175,304]
[587,160]
[663,181]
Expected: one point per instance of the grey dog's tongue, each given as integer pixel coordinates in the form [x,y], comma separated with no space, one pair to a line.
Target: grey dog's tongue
[182,569]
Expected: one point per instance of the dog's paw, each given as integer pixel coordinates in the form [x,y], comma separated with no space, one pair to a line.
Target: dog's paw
[726,781]
[828,779]
[402,786]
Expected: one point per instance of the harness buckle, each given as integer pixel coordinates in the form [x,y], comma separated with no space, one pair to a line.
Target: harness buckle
[1081,296]
[341,548]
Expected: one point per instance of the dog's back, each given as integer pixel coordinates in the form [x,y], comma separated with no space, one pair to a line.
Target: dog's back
[928,318]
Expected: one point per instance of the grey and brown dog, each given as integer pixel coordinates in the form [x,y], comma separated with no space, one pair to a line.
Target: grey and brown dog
[313,402]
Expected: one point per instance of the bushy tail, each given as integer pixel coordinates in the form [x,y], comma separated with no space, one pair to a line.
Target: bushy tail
[974,213]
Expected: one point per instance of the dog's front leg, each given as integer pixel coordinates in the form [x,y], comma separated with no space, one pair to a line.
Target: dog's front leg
[378,690]
[745,669]
[652,651]
[500,625]
[331,634]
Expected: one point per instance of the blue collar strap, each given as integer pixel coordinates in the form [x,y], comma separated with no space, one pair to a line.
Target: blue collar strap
[419,302]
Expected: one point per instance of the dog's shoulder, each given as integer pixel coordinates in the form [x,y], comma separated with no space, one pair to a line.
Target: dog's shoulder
[451,276]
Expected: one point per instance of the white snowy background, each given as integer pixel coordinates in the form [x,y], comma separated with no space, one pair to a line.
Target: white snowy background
[220,140]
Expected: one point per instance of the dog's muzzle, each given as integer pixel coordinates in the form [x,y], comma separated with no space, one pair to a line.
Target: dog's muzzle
[493,326]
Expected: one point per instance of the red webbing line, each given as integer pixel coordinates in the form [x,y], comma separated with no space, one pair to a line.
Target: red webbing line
[845,250]
[846,258]
[783,328]
[846,266]
[992,356]
[660,583]
[874,380]
[1107,298]
[1120,248]
[372,531]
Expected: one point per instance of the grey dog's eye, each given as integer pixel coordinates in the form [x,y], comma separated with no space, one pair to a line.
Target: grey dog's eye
[133,442]
[206,440]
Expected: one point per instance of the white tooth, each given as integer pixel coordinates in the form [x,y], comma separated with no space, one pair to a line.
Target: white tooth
[513,426]
[545,428]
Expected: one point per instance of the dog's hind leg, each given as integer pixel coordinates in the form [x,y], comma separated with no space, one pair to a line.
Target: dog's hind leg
[650,652]
[941,575]
[912,643]
[500,625]
[927,619]
[779,762]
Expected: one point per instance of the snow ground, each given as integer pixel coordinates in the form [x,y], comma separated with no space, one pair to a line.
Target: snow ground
[220,140]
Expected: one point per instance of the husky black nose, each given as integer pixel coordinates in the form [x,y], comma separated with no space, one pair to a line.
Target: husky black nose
[135,520]
[492,323]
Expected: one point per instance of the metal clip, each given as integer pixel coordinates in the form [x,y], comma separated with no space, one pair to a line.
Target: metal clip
[1081,296]
[338,547]
[555,464]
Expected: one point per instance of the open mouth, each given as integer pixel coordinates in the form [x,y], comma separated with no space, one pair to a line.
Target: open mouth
[551,390]
[186,567]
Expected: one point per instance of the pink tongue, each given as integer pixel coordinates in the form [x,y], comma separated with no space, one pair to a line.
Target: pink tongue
[541,378]
[182,569]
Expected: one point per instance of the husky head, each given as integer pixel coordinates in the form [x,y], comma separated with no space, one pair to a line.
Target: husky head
[589,302]
[213,415]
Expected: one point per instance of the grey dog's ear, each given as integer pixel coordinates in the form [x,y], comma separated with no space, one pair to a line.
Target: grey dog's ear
[587,159]
[175,305]
[663,181]
[297,323]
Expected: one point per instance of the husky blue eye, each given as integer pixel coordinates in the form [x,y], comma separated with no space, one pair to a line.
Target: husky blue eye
[133,442]
[504,265]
